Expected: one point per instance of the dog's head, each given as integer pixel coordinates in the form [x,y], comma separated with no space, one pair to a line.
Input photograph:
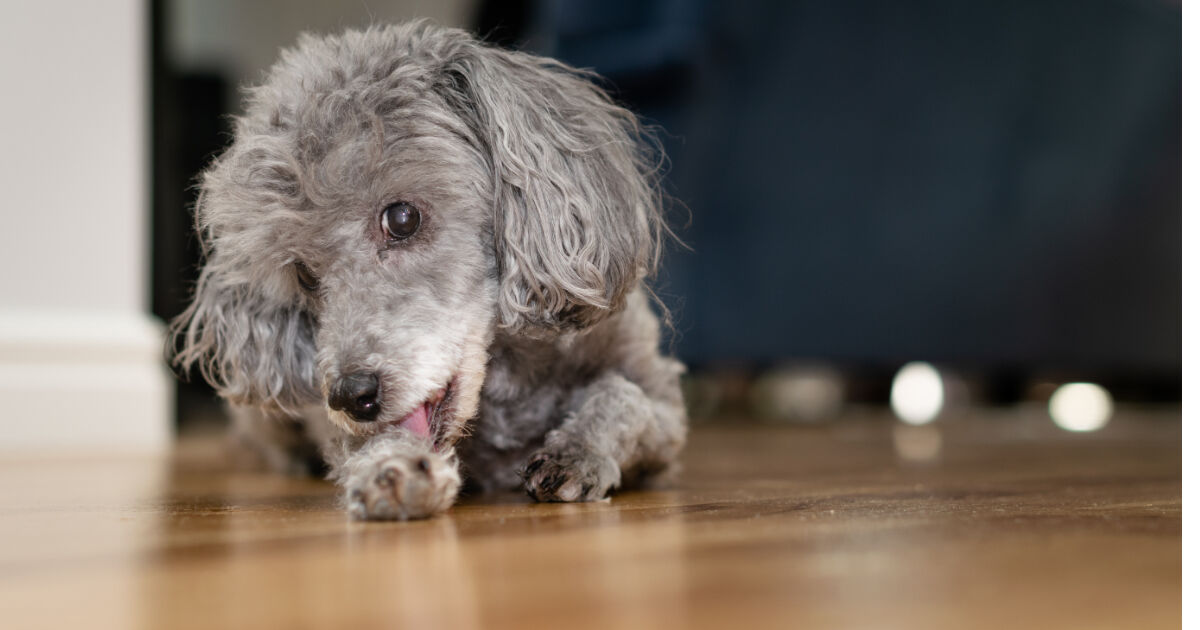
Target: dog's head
[391,199]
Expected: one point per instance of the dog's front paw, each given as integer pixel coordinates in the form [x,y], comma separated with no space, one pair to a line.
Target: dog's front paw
[403,487]
[570,476]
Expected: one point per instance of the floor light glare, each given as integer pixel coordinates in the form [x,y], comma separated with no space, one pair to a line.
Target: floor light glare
[918,393]
[800,393]
[1081,407]
[917,443]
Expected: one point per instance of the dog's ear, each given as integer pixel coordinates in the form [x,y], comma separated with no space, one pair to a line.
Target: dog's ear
[250,337]
[577,210]
[251,350]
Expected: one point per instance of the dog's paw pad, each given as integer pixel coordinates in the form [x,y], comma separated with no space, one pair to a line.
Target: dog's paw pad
[402,488]
[570,477]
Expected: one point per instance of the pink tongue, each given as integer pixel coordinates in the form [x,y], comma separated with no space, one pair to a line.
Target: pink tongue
[417,421]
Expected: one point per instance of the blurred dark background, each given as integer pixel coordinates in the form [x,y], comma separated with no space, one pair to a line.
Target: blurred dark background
[990,186]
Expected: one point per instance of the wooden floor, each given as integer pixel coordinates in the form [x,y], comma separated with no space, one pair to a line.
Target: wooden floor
[982,522]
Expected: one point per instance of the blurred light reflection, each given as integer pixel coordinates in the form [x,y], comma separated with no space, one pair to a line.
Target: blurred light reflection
[1081,407]
[917,443]
[799,393]
[918,393]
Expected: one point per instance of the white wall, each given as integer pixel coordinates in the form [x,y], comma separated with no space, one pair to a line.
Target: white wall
[80,361]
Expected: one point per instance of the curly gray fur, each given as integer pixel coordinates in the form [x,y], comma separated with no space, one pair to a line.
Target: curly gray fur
[522,292]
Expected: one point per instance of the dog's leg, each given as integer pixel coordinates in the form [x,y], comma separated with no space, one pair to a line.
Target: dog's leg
[615,432]
[397,476]
[280,441]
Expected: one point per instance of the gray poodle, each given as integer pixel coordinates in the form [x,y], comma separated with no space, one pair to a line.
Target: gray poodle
[425,262]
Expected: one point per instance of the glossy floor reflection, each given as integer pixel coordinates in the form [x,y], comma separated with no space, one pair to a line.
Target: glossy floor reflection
[992,520]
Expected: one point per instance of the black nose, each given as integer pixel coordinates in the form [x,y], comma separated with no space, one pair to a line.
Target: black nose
[357,395]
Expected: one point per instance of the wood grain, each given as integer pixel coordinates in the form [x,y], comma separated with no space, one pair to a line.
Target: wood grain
[984,522]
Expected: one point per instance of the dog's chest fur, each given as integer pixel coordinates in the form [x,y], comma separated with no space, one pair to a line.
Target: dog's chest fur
[529,390]
[525,395]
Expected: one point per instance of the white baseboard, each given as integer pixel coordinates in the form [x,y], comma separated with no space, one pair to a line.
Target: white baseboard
[78,381]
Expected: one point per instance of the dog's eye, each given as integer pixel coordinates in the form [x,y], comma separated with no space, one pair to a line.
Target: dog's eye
[306,278]
[401,220]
